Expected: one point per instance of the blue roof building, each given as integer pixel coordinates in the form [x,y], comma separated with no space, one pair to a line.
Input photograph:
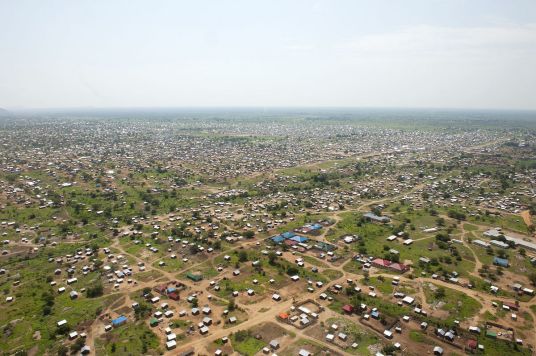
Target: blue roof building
[119,321]
[500,262]
[278,239]
[316,227]
[299,239]
[288,234]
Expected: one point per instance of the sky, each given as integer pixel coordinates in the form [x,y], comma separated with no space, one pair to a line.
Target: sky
[292,53]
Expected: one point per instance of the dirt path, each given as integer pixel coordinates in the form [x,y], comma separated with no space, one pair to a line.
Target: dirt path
[525,214]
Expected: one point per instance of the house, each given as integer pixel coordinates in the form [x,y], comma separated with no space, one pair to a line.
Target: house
[498,243]
[528,291]
[274,344]
[161,289]
[173,296]
[474,329]
[502,262]
[472,344]
[373,217]
[481,243]
[278,239]
[170,345]
[299,239]
[395,266]
[491,334]
[348,239]
[72,280]
[438,351]
[408,300]
[119,321]
[520,242]
[511,306]
[304,352]
[288,234]
[304,321]
[424,260]
[348,309]
[493,233]
[194,277]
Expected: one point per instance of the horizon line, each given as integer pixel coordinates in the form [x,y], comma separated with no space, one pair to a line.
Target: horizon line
[253,107]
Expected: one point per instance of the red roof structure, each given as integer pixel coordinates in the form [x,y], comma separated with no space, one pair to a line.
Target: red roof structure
[348,308]
[380,262]
[472,343]
[399,267]
[173,296]
[511,306]
[161,288]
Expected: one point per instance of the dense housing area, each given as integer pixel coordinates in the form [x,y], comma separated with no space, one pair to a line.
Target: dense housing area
[267,234]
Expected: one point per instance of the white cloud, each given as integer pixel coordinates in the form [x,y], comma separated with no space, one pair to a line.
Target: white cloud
[445,41]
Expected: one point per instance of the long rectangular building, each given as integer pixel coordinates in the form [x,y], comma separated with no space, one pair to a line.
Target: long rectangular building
[517,241]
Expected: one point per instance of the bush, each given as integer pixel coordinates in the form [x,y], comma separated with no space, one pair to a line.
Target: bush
[95,290]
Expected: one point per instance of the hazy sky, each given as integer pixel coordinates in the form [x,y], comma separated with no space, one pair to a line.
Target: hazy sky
[110,53]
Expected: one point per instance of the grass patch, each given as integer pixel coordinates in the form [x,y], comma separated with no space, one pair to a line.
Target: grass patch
[244,343]
[458,304]
[130,339]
